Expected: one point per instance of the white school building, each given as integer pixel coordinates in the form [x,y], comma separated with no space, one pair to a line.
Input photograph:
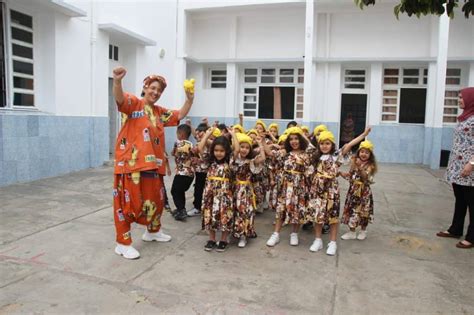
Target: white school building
[310,61]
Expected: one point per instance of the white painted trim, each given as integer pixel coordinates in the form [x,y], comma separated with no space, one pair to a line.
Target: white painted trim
[125,34]
[67,8]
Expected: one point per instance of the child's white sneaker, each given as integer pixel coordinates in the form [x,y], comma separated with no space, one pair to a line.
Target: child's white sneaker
[242,242]
[274,239]
[317,245]
[158,236]
[362,235]
[127,251]
[349,236]
[332,248]
[193,212]
[294,239]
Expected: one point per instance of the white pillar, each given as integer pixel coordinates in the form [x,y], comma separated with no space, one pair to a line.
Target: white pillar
[308,60]
[231,105]
[434,131]
[180,63]
[471,75]
[375,95]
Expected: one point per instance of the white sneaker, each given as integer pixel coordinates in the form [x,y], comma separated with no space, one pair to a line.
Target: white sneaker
[294,239]
[127,251]
[362,235]
[158,236]
[349,236]
[332,248]
[193,212]
[242,242]
[317,245]
[274,239]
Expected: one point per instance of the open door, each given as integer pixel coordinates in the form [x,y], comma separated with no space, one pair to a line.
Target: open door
[353,117]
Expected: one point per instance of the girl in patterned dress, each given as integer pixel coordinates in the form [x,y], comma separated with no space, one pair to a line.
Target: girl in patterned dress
[359,206]
[217,204]
[323,205]
[243,166]
[291,205]
[276,173]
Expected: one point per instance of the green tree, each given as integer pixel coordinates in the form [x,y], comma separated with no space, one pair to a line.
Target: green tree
[425,7]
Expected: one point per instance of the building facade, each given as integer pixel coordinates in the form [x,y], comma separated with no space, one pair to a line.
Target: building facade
[309,61]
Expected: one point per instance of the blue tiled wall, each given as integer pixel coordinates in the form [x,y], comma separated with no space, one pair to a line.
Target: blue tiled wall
[447,138]
[39,146]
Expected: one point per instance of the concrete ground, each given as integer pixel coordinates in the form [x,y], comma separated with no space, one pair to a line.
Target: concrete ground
[57,256]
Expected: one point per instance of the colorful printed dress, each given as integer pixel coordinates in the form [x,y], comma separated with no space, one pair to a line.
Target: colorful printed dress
[276,171]
[359,206]
[217,204]
[244,197]
[324,196]
[462,151]
[292,201]
[260,183]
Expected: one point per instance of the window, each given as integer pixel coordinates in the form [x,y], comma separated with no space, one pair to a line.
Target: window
[453,86]
[354,79]
[3,86]
[218,78]
[273,93]
[113,52]
[412,105]
[22,58]
[404,95]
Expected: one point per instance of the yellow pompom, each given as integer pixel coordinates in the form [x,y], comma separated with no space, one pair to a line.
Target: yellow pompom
[217,133]
[243,138]
[189,85]
[326,135]
[319,129]
[367,145]
[239,128]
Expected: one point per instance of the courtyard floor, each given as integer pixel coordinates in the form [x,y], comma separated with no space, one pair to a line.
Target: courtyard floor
[57,256]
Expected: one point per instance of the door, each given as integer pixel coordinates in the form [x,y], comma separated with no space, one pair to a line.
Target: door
[114,120]
[353,117]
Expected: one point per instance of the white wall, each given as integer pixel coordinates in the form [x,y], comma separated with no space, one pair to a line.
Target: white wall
[461,37]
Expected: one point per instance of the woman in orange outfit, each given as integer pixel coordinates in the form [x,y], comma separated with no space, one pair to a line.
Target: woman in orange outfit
[140,160]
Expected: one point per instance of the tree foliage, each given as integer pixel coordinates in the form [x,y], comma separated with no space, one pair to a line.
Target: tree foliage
[425,7]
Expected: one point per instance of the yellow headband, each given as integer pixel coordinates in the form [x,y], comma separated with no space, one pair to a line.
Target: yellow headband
[273,126]
[305,128]
[243,138]
[239,128]
[282,138]
[217,133]
[326,135]
[319,129]
[294,130]
[261,123]
[367,145]
[252,131]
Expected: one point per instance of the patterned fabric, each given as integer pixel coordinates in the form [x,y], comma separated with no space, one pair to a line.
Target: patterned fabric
[201,161]
[244,196]
[276,173]
[138,197]
[461,153]
[359,206]
[140,145]
[217,201]
[291,204]
[324,197]
[183,154]
[261,182]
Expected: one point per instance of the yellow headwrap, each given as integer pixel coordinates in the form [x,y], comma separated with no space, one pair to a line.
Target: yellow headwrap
[305,128]
[367,145]
[320,128]
[261,123]
[243,138]
[294,130]
[273,125]
[282,138]
[239,128]
[326,135]
[252,131]
[217,133]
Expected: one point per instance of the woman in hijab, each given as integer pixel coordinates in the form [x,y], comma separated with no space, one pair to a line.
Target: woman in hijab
[460,171]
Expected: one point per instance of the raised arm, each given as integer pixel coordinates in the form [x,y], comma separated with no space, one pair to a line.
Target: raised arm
[266,148]
[261,156]
[183,112]
[347,147]
[118,74]
[235,142]
[204,139]
[241,119]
